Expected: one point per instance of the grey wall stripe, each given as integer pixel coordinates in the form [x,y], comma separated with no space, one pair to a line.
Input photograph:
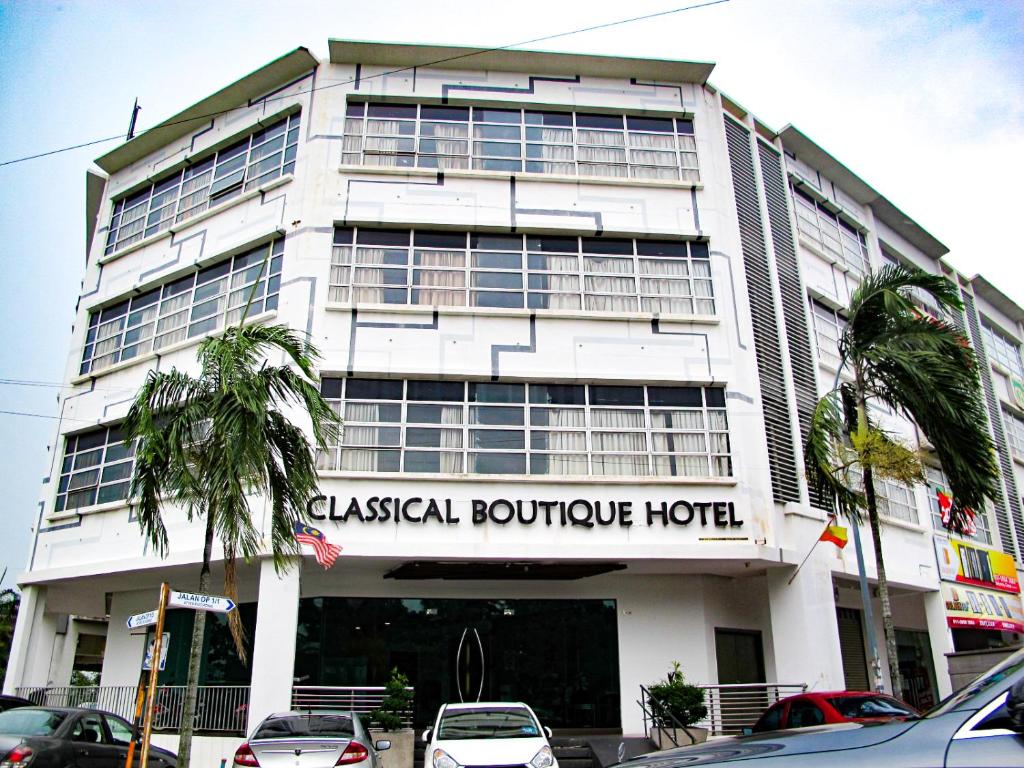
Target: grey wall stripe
[774,402]
[1010,503]
[794,296]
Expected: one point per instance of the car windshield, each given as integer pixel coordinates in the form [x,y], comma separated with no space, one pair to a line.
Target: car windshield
[980,684]
[30,722]
[870,706]
[490,723]
[289,726]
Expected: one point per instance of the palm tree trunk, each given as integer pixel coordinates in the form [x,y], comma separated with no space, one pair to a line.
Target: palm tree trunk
[188,705]
[888,628]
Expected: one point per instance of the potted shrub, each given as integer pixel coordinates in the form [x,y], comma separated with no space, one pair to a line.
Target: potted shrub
[676,706]
[393,708]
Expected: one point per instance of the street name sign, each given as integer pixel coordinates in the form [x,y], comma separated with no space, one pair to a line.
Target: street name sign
[142,619]
[198,602]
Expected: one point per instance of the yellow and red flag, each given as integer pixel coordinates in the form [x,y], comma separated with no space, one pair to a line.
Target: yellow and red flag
[835,534]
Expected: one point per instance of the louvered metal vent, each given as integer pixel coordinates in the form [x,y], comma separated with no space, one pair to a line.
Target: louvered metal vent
[995,420]
[774,403]
[791,289]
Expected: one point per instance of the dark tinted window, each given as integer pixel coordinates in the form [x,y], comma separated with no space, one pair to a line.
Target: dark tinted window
[870,706]
[373,389]
[770,720]
[305,725]
[616,395]
[803,714]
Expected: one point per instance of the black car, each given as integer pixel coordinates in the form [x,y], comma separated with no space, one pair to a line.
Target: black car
[979,725]
[12,702]
[56,737]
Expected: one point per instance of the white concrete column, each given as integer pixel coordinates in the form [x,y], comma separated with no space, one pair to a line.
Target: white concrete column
[273,654]
[805,630]
[33,599]
[941,639]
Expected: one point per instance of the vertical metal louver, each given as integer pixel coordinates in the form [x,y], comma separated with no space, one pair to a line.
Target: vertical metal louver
[1003,516]
[791,289]
[774,402]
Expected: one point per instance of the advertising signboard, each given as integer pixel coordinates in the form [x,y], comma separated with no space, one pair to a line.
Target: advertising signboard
[967,563]
[981,608]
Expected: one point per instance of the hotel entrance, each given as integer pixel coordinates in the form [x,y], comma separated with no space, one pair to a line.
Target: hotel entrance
[558,656]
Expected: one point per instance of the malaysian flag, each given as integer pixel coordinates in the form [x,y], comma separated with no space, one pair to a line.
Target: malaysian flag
[325,552]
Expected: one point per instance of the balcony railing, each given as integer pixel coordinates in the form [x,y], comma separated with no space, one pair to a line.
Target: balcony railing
[363,700]
[731,708]
[220,709]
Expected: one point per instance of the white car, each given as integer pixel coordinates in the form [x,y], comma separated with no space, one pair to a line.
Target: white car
[487,734]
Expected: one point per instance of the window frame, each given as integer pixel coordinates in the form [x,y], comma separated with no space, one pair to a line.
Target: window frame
[496,142]
[829,232]
[138,323]
[477,428]
[525,271]
[1002,349]
[170,199]
[69,460]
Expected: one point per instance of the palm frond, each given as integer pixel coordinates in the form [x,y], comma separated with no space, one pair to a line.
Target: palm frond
[825,467]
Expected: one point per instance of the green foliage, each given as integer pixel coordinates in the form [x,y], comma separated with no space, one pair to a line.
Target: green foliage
[920,367]
[676,698]
[9,603]
[396,704]
[209,443]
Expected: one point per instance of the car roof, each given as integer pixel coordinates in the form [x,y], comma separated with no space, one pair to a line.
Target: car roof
[484,704]
[312,713]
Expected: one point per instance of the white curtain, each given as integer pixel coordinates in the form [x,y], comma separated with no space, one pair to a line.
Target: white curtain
[652,141]
[622,442]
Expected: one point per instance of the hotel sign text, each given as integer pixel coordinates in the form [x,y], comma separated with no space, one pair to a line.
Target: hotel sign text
[584,513]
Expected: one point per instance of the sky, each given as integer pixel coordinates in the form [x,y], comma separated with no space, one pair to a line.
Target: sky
[922,99]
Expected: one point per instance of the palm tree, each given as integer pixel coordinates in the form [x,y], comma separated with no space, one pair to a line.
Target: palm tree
[921,368]
[210,443]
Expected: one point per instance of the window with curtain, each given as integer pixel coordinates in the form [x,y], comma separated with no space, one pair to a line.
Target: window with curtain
[1002,349]
[97,468]
[828,329]
[1014,433]
[520,140]
[206,181]
[454,427]
[200,302]
[831,234]
[427,268]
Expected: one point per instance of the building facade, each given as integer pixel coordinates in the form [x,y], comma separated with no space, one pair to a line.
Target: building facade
[575,312]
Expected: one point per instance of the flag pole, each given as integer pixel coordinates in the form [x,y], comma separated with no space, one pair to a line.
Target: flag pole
[830,521]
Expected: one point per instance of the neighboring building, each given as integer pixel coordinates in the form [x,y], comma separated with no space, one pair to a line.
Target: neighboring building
[575,312]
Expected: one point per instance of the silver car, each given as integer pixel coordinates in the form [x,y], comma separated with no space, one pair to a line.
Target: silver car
[310,740]
[981,725]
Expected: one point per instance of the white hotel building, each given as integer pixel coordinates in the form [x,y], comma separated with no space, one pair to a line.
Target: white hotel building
[575,312]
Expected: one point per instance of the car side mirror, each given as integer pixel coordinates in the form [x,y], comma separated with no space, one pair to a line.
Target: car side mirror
[747,731]
[426,735]
[1015,706]
[381,745]
[547,731]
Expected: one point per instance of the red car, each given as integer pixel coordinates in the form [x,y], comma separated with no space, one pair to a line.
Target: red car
[822,707]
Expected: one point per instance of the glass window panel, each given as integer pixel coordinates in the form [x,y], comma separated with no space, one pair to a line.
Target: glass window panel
[436,390]
[500,439]
[497,393]
[373,389]
[369,460]
[512,280]
[491,299]
[496,416]
[497,260]
[498,463]
[558,394]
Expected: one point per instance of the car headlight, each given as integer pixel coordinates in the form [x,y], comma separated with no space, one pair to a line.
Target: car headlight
[543,759]
[442,759]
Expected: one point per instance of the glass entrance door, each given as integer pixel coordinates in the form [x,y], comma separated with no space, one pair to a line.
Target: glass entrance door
[559,656]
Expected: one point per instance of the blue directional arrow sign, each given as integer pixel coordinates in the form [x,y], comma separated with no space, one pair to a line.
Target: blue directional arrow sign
[198,602]
[142,620]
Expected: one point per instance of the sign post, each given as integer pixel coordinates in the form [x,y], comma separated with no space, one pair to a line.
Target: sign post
[199,602]
[147,728]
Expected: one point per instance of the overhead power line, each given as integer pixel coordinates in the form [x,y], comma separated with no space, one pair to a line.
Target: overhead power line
[433,63]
